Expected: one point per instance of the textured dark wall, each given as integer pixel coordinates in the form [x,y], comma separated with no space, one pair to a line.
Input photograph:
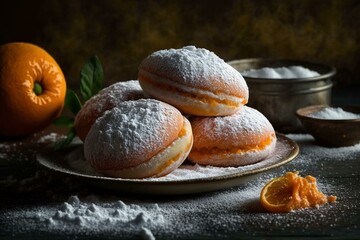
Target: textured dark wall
[122,33]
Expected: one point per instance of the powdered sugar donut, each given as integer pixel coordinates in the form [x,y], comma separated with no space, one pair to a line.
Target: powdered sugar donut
[194,80]
[106,99]
[138,139]
[240,139]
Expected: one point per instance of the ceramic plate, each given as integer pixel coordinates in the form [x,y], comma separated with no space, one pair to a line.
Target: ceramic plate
[189,178]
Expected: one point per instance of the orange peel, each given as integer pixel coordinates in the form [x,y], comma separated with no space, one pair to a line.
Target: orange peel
[291,192]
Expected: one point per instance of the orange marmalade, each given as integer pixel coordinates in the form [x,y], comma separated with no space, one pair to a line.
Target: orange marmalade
[291,192]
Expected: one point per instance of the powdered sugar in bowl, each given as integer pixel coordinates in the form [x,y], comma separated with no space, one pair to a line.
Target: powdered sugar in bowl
[332,126]
[277,88]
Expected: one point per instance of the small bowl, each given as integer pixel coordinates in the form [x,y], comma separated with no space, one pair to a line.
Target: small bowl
[331,132]
[278,99]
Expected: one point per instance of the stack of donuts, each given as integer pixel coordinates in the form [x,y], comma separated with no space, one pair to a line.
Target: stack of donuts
[187,104]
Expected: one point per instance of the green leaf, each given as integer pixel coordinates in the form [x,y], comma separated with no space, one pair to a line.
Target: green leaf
[72,101]
[66,141]
[64,121]
[91,77]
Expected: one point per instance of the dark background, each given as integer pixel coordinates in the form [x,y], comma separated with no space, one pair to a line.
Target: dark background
[122,33]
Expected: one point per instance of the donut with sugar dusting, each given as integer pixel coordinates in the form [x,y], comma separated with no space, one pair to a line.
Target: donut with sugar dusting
[139,139]
[194,80]
[243,138]
[106,99]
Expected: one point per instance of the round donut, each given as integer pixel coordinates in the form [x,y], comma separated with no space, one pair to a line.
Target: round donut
[194,80]
[243,138]
[138,139]
[106,99]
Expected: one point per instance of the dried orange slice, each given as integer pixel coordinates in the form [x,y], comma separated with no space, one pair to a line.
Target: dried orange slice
[291,192]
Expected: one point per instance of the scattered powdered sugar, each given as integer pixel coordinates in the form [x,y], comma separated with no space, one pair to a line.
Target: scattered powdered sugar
[331,113]
[76,160]
[91,215]
[213,214]
[194,67]
[25,151]
[3,149]
[310,151]
[281,73]
[51,137]
[231,213]
[196,171]
[146,234]
[105,215]
[9,149]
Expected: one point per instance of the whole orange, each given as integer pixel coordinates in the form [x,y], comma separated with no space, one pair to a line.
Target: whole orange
[32,89]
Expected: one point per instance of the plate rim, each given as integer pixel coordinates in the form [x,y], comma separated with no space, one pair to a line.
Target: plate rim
[231,176]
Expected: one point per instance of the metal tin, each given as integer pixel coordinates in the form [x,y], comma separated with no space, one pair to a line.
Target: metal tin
[278,99]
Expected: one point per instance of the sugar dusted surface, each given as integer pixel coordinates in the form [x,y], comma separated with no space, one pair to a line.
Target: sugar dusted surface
[90,214]
[122,86]
[231,213]
[112,96]
[312,152]
[129,131]
[247,121]
[331,113]
[281,73]
[195,67]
